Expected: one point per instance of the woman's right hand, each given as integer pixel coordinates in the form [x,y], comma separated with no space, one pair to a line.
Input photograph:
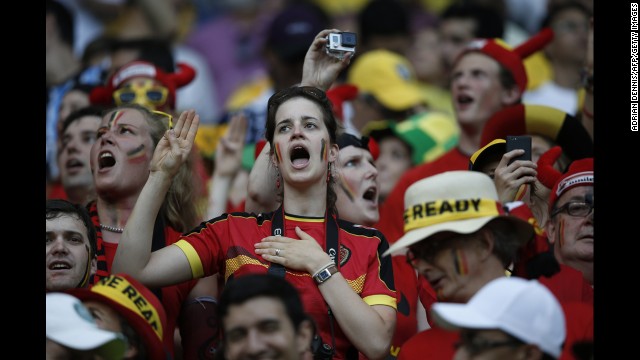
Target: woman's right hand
[174,147]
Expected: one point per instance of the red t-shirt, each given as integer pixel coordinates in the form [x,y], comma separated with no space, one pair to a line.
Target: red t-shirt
[433,344]
[391,223]
[579,323]
[405,279]
[225,245]
[568,285]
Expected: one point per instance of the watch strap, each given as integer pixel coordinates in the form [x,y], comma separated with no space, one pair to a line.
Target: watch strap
[325,273]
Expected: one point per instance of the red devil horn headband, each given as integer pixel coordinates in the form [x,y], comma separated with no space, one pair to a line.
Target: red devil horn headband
[547,174]
[534,43]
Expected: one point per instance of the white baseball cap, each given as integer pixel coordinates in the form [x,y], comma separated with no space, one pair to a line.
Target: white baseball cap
[521,308]
[69,323]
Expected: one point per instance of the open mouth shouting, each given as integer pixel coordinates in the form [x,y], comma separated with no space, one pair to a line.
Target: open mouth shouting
[371,194]
[106,160]
[299,156]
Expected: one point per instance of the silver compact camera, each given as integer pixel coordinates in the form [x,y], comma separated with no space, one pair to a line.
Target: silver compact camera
[340,43]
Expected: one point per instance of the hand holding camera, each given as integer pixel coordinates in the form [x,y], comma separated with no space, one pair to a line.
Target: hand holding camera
[328,55]
[341,43]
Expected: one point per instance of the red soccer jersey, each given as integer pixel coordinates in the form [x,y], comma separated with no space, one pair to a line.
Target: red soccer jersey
[391,223]
[225,245]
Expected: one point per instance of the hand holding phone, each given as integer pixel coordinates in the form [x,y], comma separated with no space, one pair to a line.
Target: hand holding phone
[519,142]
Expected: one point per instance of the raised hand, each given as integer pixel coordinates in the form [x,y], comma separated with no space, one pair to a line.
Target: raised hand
[509,178]
[229,149]
[174,147]
[321,69]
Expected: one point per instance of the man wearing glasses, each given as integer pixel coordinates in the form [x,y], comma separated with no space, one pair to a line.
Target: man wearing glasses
[459,239]
[570,229]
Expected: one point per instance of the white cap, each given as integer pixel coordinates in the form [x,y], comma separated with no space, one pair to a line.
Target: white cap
[69,323]
[521,308]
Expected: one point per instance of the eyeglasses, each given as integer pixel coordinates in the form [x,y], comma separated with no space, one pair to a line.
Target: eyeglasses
[575,208]
[162,113]
[155,95]
[475,344]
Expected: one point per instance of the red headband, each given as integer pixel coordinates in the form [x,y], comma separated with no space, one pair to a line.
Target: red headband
[580,173]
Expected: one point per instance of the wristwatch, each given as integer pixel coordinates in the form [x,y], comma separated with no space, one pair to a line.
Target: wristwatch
[324,274]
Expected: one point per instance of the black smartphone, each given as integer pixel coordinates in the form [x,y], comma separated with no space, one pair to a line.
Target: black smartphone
[519,142]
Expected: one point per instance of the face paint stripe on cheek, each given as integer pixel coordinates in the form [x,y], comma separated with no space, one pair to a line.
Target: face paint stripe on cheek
[278,155]
[460,261]
[137,155]
[344,186]
[561,233]
[323,150]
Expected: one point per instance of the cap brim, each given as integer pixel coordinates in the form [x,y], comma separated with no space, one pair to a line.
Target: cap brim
[108,343]
[523,231]
[455,316]
[414,236]
[400,97]
[492,152]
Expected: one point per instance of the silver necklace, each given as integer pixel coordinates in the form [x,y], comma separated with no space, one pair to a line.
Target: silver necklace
[111,228]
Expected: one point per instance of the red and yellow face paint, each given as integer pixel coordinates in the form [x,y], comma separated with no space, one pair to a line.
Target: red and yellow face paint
[323,150]
[460,261]
[561,233]
[137,155]
[347,188]
[115,117]
[278,153]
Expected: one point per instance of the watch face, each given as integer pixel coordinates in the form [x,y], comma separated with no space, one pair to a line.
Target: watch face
[324,275]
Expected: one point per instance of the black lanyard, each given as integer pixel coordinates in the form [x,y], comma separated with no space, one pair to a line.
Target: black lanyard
[331,247]
[331,234]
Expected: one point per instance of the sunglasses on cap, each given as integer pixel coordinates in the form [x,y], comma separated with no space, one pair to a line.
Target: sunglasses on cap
[164,114]
[155,95]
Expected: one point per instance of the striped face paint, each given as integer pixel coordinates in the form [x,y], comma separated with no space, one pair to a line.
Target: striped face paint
[278,154]
[115,117]
[323,150]
[137,155]
[561,233]
[344,185]
[460,261]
